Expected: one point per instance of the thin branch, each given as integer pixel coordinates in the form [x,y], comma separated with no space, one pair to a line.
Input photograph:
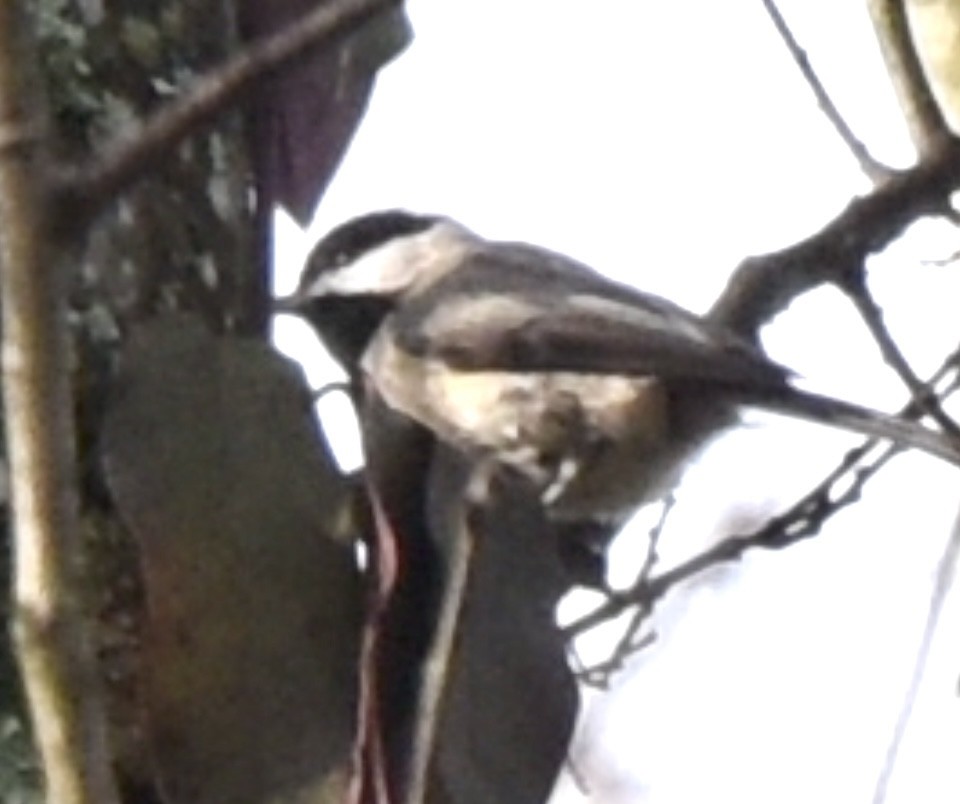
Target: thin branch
[841,487]
[804,519]
[762,286]
[946,574]
[86,189]
[941,262]
[928,128]
[55,647]
[598,675]
[875,170]
[872,316]
[335,387]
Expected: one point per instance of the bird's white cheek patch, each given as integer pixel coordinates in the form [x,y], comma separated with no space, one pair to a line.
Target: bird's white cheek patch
[383,270]
[397,266]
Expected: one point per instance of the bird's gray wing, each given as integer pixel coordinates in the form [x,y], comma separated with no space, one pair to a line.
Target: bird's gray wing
[529,310]
[551,314]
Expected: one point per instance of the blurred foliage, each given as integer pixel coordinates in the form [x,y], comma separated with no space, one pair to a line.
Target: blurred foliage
[19,776]
[181,239]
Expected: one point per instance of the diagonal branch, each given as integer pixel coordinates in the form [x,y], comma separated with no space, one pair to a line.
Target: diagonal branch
[875,170]
[85,189]
[630,641]
[872,316]
[763,286]
[942,584]
[840,488]
[928,128]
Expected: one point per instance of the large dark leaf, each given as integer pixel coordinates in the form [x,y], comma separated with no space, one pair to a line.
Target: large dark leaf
[511,701]
[508,701]
[252,601]
[303,119]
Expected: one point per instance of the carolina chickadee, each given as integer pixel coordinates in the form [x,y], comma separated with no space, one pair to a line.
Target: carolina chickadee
[594,391]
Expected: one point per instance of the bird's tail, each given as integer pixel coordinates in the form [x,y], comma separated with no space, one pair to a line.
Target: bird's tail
[849,416]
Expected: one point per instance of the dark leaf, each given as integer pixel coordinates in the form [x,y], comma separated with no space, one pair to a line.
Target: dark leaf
[303,119]
[509,701]
[253,601]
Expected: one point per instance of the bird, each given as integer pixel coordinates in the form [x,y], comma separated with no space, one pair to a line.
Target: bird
[596,393]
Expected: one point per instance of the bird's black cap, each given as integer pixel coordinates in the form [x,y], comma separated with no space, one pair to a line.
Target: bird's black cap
[349,240]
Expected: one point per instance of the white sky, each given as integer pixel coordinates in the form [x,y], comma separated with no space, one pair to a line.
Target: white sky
[662,142]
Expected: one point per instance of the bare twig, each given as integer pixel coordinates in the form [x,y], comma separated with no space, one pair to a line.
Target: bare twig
[599,675]
[872,315]
[805,518]
[875,170]
[941,262]
[762,286]
[337,386]
[54,642]
[86,189]
[629,644]
[928,128]
[946,573]
[653,539]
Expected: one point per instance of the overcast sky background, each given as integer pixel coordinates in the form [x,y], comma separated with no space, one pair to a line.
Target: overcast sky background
[662,143]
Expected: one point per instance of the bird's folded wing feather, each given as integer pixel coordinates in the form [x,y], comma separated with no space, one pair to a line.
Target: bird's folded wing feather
[563,317]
